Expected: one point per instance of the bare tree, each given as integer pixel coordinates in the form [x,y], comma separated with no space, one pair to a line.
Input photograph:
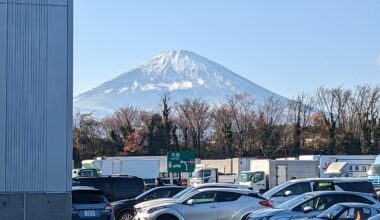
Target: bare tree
[330,104]
[273,111]
[299,111]
[222,126]
[271,115]
[88,137]
[196,115]
[241,108]
[168,125]
[366,105]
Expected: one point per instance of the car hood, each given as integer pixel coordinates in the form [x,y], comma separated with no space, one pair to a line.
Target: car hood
[123,202]
[283,213]
[269,212]
[153,202]
[314,218]
[162,204]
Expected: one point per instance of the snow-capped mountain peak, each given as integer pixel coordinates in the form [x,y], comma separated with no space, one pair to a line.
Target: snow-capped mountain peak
[184,73]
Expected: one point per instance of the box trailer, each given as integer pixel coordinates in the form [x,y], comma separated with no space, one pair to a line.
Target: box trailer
[143,168]
[357,165]
[266,174]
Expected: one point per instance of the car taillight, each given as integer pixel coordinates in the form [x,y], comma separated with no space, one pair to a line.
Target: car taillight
[108,207]
[266,203]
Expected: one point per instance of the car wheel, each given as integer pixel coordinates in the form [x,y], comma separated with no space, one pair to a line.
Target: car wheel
[126,215]
[245,217]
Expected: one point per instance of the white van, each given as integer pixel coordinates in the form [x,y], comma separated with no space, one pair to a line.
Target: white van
[292,188]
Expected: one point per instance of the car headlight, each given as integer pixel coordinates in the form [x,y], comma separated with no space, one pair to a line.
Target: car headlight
[151,210]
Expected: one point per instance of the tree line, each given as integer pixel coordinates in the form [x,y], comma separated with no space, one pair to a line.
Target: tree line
[328,121]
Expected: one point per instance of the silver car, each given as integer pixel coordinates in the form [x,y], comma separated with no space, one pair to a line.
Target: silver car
[312,204]
[210,204]
[349,211]
[187,191]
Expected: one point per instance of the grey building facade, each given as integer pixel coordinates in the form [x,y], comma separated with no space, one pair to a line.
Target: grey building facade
[35,109]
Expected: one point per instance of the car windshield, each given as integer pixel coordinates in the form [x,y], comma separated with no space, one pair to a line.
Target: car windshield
[333,211]
[295,201]
[245,177]
[183,192]
[196,174]
[187,196]
[276,189]
[374,170]
[146,193]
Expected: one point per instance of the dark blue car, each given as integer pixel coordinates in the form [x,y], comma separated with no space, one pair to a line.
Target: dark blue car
[90,204]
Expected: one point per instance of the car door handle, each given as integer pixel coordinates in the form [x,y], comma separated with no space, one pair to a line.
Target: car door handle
[213,206]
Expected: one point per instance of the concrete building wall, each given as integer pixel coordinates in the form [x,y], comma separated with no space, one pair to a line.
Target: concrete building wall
[35,109]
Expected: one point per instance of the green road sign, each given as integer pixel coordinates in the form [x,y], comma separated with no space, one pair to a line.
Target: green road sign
[181,161]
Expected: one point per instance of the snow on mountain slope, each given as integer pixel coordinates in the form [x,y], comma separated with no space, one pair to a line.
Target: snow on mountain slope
[183,73]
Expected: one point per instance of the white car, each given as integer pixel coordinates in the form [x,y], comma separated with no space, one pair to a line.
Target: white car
[293,188]
[312,204]
[189,190]
[209,203]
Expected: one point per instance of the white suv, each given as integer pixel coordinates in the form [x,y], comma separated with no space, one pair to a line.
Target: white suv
[210,204]
[188,190]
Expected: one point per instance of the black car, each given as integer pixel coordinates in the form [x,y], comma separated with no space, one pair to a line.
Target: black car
[114,187]
[124,209]
[90,204]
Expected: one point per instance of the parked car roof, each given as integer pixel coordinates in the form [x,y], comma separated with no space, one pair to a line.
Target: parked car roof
[234,190]
[354,204]
[317,193]
[76,188]
[343,179]
[222,185]
[104,177]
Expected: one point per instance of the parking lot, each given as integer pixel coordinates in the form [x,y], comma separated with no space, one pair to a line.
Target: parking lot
[124,197]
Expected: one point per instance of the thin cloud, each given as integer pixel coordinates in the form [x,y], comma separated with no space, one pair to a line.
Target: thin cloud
[378,60]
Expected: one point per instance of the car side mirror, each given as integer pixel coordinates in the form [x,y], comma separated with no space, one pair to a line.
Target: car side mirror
[307,209]
[190,202]
[288,193]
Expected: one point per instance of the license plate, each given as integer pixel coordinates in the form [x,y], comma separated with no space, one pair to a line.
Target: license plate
[89,213]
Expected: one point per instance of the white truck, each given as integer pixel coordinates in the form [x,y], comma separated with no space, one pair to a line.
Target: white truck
[357,165]
[143,168]
[374,173]
[230,166]
[203,175]
[266,174]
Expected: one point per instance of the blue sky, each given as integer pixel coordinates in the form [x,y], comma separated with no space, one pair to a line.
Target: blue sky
[288,46]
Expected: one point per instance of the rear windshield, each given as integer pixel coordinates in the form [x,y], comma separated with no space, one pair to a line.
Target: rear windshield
[364,187]
[88,197]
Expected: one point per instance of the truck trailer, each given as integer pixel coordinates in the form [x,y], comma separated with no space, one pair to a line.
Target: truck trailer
[357,165]
[266,174]
[143,168]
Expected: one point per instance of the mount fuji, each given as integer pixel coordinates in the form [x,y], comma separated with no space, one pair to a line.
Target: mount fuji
[183,73]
